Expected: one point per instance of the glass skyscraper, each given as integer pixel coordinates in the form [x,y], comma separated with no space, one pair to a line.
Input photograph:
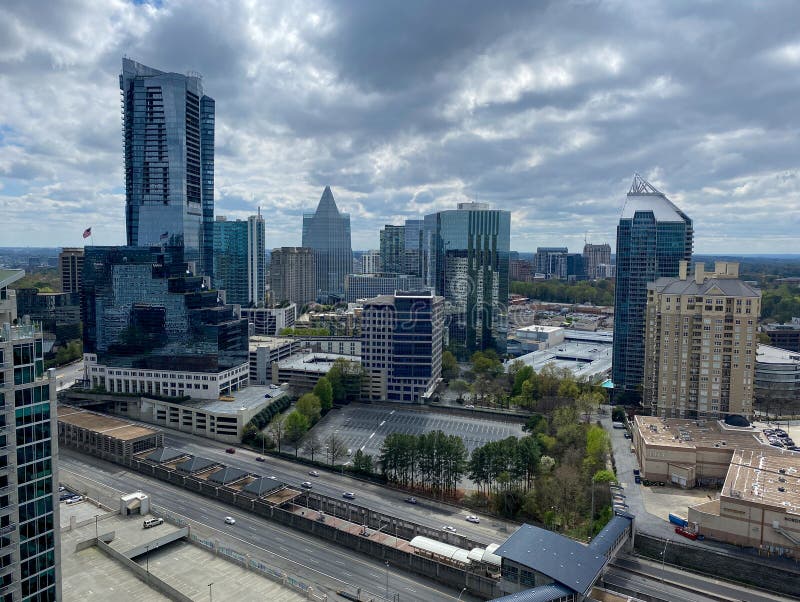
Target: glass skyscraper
[30,567]
[240,262]
[468,256]
[393,246]
[169,161]
[327,232]
[653,237]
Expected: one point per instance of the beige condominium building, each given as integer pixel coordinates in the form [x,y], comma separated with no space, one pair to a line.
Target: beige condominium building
[700,342]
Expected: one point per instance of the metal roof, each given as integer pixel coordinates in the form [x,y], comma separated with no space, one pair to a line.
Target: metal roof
[165,454]
[609,534]
[8,277]
[558,557]
[195,464]
[442,549]
[543,593]
[228,474]
[261,486]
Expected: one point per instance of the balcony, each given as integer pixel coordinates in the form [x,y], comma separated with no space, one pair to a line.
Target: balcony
[7,529]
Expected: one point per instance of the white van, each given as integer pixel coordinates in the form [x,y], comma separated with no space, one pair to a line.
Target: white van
[152,522]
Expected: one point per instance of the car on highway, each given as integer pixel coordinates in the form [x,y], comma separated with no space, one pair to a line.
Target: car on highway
[306,485]
[229,520]
[349,495]
[473,519]
[260,459]
[448,528]
[411,500]
[273,477]
[469,407]
[313,473]
[230,450]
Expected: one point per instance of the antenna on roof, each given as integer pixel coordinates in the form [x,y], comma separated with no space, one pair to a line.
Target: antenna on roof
[642,186]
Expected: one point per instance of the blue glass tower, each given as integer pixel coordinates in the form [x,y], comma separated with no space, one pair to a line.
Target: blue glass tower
[327,232]
[468,257]
[169,161]
[653,237]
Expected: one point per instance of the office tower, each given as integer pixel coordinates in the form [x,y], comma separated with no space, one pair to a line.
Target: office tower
[393,246]
[701,336]
[327,232]
[546,258]
[292,276]
[401,345]
[240,261]
[59,314]
[568,266]
[169,161]
[653,237]
[30,543]
[143,310]
[594,256]
[520,269]
[70,264]
[414,257]
[371,262]
[366,286]
[467,255]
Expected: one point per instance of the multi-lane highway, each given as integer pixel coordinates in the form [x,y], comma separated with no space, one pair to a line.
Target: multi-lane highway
[328,567]
[378,498]
[67,375]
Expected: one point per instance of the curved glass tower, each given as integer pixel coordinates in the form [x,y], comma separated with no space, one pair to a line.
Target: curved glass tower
[169,161]
[653,237]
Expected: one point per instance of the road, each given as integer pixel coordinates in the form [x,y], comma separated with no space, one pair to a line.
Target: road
[376,497]
[327,566]
[652,577]
[67,375]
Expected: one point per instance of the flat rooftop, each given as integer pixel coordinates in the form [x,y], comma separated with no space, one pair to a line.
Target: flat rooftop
[766,354]
[102,424]
[758,477]
[314,362]
[251,397]
[270,342]
[540,328]
[694,434]
[582,358]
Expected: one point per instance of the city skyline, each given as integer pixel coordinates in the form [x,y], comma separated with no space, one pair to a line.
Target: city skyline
[542,111]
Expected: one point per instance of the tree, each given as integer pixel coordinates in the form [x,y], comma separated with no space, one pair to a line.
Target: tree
[459,387]
[312,445]
[604,476]
[309,405]
[336,448]
[324,391]
[277,429]
[296,425]
[362,462]
[546,464]
[618,414]
[345,378]
[450,368]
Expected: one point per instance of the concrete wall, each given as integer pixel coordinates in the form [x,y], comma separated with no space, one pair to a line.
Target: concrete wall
[769,574]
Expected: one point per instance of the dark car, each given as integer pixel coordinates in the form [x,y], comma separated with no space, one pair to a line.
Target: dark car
[411,500]
[260,459]
[230,450]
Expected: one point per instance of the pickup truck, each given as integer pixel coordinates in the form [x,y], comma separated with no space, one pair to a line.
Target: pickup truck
[686,533]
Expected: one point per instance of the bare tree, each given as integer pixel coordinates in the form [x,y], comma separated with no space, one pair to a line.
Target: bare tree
[336,448]
[312,446]
[277,428]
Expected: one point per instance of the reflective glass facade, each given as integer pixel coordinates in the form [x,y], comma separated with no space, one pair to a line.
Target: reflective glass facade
[240,264]
[142,308]
[653,237]
[168,128]
[29,523]
[393,245]
[468,259]
[327,232]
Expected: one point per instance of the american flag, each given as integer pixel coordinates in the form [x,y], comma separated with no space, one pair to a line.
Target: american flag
[87,233]
[165,235]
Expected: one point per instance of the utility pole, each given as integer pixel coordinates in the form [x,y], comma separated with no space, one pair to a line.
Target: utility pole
[387,581]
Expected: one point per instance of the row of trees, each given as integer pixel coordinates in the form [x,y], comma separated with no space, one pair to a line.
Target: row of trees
[596,292]
[433,462]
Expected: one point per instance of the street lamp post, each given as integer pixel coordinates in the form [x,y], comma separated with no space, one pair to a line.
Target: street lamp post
[462,593]
[210,596]
[664,559]
[387,581]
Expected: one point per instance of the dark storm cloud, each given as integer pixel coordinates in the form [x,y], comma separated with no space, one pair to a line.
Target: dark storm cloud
[545,109]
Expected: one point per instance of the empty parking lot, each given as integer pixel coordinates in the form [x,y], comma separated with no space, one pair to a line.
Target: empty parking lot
[365,427]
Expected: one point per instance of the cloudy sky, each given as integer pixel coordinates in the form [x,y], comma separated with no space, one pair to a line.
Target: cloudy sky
[545,109]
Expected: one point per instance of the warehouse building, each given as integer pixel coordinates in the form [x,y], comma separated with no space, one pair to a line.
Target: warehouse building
[104,436]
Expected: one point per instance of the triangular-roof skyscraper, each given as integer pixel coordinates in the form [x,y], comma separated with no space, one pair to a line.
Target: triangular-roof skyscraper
[327,232]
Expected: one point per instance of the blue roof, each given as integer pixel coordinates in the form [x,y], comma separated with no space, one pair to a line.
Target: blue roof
[543,593]
[609,534]
[563,560]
